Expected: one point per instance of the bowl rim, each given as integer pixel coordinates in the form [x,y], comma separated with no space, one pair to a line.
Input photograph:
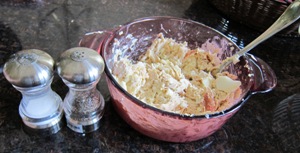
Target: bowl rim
[112,80]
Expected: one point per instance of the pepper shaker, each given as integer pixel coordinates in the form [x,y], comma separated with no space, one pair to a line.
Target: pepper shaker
[31,73]
[80,69]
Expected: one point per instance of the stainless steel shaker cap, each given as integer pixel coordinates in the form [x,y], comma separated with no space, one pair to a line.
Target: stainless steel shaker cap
[80,65]
[29,68]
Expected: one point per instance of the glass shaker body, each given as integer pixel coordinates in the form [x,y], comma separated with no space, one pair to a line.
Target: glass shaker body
[40,107]
[83,106]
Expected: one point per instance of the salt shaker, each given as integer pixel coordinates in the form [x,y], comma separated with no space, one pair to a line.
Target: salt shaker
[31,73]
[81,69]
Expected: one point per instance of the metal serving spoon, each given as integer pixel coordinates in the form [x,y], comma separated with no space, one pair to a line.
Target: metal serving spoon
[289,16]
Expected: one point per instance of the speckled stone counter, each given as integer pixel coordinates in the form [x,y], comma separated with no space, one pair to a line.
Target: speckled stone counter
[54,26]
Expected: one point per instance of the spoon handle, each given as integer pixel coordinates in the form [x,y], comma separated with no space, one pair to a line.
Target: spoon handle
[290,15]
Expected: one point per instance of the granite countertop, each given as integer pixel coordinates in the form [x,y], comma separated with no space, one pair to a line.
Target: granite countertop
[54,26]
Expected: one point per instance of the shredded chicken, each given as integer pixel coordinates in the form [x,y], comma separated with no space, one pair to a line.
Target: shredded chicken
[174,78]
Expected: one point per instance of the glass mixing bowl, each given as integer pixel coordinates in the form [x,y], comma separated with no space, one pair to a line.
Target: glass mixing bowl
[135,37]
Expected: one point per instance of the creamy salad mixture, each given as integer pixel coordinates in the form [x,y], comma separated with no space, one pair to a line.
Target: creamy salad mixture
[172,77]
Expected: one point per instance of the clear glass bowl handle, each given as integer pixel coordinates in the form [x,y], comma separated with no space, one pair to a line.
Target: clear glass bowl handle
[264,78]
[94,40]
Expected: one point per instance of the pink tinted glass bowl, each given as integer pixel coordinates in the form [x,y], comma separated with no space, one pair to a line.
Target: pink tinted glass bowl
[135,37]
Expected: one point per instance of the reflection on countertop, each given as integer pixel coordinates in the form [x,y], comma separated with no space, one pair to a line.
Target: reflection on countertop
[55,26]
